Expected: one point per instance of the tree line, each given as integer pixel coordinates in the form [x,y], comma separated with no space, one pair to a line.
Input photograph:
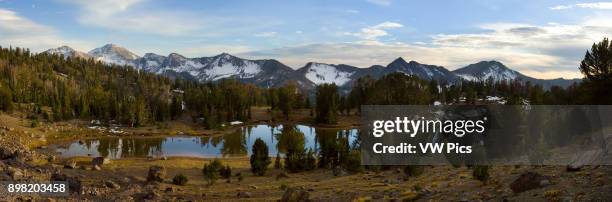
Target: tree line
[56,88]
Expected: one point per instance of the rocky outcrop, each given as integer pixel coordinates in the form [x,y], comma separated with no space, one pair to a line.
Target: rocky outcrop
[156,174]
[99,161]
[528,181]
[295,195]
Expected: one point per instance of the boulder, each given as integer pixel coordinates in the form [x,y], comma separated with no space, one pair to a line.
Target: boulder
[282,175]
[99,161]
[574,167]
[528,181]
[156,174]
[151,195]
[70,164]
[111,184]
[74,183]
[338,172]
[6,153]
[15,173]
[244,194]
[295,195]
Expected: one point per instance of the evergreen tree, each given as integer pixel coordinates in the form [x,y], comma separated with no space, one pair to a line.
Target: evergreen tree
[6,99]
[327,103]
[597,69]
[259,157]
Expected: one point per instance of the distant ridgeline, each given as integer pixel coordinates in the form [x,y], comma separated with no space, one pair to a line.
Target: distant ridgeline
[54,87]
[272,73]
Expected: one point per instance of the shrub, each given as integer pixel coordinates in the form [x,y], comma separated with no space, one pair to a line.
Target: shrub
[311,160]
[226,172]
[277,162]
[413,170]
[211,171]
[300,160]
[353,162]
[34,123]
[239,175]
[480,172]
[283,186]
[259,158]
[6,99]
[180,179]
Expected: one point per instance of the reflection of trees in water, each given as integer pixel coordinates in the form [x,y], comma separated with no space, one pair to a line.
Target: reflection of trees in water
[216,140]
[285,138]
[334,145]
[204,140]
[234,144]
[130,147]
[290,139]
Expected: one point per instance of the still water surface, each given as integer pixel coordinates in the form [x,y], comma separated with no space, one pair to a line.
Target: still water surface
[235,144]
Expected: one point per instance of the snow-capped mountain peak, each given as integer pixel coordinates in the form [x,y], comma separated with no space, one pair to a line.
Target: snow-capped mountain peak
[486,70]
[67,51]
[272,73]
[113,54]
[422,71]
[225,65]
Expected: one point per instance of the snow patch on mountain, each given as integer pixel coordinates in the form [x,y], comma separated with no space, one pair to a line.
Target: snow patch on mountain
[67,52]
[225,66]
[322,73]
[113,54]
[487,70]
[498,73]
[467,77]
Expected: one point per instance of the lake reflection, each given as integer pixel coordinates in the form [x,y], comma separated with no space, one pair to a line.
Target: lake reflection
[238,143]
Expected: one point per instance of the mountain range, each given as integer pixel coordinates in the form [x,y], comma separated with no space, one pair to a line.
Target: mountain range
[272,73]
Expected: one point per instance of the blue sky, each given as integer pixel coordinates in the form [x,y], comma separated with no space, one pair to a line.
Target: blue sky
[544,39]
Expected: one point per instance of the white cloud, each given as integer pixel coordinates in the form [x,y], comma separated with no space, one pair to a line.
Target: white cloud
[593,5]
[561,7]
[365,55]
[210,49]
[552,50]
[124,15]
[381,2]
[19,31]
[104,7]
[596,5]
[266,34]
[372,33]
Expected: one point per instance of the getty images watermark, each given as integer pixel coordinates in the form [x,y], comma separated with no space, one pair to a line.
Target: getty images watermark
[485,135]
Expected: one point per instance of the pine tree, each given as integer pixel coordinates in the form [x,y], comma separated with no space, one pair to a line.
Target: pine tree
[597,69]
[259,157]
[327,103]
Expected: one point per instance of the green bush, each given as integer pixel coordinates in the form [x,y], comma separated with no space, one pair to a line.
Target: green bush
[283,186]
[480,172]
[259,158]
[34,123]
[180,179]
[6,99]
[353,162]
[413,170]
[226,172]
[211,171]
[300,160]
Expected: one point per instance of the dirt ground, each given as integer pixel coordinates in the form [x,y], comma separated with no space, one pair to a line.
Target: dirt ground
[438,183]
[125,179]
